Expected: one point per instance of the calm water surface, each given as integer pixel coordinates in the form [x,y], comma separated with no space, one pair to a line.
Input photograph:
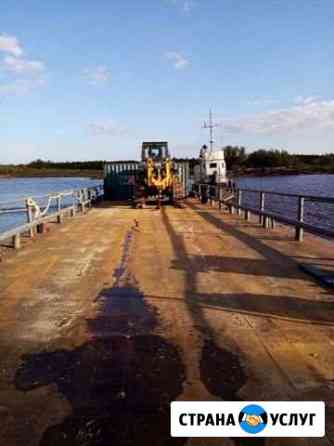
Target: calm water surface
[322,185]
[320,214]
[14,190]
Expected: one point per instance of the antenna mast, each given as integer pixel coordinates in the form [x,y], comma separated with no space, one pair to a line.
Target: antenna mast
[210,125]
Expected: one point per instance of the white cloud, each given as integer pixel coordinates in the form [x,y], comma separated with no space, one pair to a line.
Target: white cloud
[97,76]
[20,87]
[23,75]
[178,60]
[311,113]
[306,100]
[186,5]
[21,66]
[108,127]
[10,44]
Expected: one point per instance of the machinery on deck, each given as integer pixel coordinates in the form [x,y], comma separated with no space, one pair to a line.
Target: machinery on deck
[156,179]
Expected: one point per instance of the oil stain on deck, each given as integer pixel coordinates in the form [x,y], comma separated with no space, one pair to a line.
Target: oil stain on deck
[121,382]
[221,370]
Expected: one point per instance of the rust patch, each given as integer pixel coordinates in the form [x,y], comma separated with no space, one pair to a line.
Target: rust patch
[121,382]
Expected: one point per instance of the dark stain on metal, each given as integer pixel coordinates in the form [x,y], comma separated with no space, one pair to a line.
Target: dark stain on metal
[121,382]
[121,269]
[122,308]
[223,375]
[122,311]
[119,389]
[221,371]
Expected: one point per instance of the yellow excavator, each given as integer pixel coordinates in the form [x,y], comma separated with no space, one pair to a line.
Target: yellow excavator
[156,178]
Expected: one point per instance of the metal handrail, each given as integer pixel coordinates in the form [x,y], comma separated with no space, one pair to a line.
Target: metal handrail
[284,194]
[66,192]
[36,217]
[266,217]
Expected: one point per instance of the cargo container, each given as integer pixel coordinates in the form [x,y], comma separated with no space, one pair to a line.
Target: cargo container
[183,173]
[119,180]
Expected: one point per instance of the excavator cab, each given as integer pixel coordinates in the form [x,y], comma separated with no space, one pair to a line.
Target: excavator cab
[156,151]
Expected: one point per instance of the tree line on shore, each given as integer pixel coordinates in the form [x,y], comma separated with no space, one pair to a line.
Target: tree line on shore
[236,157]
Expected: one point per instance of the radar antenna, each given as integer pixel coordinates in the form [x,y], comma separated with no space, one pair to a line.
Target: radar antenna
[210,125]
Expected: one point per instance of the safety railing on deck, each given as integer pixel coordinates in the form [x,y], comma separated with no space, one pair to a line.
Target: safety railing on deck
[42,209]
[271,207]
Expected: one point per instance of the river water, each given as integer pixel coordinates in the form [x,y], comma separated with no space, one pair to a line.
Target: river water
[14,190]
[318,185]
[321,214]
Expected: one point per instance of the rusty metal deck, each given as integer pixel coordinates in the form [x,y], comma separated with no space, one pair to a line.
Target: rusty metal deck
[108,318]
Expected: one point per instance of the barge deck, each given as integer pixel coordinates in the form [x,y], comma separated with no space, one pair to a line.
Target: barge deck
[107,318]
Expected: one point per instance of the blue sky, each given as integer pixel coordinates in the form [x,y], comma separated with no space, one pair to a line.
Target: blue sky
[91,80]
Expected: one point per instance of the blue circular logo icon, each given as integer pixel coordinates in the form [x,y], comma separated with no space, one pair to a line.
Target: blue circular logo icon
[253,419]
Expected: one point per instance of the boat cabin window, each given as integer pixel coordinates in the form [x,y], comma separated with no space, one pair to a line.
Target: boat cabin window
[213,165]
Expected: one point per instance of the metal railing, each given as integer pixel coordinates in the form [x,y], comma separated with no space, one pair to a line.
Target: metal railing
[237,200]
[42,209]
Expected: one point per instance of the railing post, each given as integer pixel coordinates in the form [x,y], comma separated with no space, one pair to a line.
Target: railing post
[89,197]
[247,215]
[82,201]
[262,196]
[214,195]
[239,194]
[17,241]
[299,236]
[59,217]
[29,218]
[220,196]
[204,193]
[73,204]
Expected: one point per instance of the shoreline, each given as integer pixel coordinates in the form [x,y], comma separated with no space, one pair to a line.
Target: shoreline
[277,172]
[49,173]
[98,175]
